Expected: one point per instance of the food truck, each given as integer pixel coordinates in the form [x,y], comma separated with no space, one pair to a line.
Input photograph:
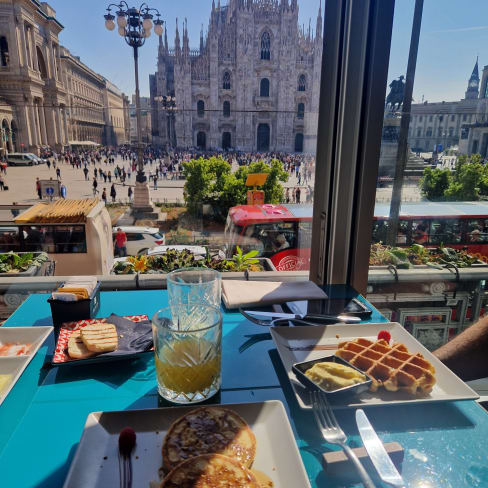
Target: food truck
[76,234]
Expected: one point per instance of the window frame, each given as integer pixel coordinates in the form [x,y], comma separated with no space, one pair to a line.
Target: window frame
[261,90]
[353,84]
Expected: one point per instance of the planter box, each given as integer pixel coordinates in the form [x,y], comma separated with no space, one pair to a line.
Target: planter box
[31,271]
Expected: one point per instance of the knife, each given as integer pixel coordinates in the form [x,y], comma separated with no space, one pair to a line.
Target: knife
[377,452]
[310,317]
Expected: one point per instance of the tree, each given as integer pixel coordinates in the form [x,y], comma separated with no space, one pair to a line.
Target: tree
[210,181]
[465,183]
[435,183]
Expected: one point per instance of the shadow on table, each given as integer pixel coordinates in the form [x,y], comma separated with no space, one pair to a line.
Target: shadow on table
[57,477]
[113,373]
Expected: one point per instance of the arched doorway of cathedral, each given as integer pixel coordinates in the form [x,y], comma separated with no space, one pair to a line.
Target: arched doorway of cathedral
[202,140]
[263,138]
[42,63]
[299,142]
[226,140]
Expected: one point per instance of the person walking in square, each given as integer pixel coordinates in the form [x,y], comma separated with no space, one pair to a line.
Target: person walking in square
[113,193]
[58,173]
[95,186]
[38,188]
[104,196]
[129,193]
[85,171]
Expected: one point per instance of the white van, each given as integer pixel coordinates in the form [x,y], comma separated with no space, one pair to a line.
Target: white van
[22,159]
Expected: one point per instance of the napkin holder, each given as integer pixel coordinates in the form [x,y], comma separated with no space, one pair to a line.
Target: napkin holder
[86,308]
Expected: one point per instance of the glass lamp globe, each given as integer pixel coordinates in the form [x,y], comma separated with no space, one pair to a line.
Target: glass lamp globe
[121,20]
[110,24]
[146,33]
[147,24]
[122,31]
[158,29]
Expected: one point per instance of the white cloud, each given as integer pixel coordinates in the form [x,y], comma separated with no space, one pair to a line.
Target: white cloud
[462,29]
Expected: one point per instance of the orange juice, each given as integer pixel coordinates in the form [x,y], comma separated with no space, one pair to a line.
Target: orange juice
[189,365]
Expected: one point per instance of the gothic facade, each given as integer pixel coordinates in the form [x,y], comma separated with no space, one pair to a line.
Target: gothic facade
[253,84]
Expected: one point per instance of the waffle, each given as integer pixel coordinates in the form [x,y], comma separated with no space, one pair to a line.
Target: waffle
[391,367]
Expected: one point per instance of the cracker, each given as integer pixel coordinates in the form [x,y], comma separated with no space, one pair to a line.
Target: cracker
[77,348]
[100,337]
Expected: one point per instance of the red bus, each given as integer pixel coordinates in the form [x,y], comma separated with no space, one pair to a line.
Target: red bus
[283,233]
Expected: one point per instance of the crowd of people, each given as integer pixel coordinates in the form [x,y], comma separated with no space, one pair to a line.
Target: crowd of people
[108,167]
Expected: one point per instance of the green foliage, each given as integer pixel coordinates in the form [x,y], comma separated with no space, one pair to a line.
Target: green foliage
[12,262]
[435,183]
[245,261]
[173,259]
[210,181]
[467,182]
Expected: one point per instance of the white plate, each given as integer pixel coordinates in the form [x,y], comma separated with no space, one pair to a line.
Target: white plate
[96,464]
[448,386]
[15,365]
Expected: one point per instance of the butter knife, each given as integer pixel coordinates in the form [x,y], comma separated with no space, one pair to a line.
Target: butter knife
[377,452]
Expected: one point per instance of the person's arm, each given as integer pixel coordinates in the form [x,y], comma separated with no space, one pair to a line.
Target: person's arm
[466,354]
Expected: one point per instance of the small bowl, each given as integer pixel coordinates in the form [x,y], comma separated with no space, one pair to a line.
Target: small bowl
[300,368]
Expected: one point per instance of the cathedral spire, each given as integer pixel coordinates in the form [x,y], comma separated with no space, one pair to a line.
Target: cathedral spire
[294,4]
[473,83]
[177,40]
[186,42]
[318,30]
[201,40]
[166,47]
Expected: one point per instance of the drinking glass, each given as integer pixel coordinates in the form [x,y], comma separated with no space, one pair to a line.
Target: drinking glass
[188,351]
[194,285]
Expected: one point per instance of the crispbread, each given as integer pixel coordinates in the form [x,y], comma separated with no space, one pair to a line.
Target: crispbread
[392,367]
[209,430]
[77,348]
[100,337]
[210,471]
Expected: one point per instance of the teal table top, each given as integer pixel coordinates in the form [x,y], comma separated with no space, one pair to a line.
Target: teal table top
[42,418]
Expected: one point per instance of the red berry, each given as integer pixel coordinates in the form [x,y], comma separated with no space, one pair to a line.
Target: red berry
[384,334]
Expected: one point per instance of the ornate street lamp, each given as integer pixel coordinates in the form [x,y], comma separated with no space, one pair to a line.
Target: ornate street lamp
[169,106]
[134,25]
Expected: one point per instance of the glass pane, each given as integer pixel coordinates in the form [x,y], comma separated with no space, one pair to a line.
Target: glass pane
[441,226]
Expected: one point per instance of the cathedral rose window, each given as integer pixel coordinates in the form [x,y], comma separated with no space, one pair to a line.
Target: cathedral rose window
[266,46]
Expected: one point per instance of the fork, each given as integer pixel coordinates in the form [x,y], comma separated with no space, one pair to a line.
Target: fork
[332,433]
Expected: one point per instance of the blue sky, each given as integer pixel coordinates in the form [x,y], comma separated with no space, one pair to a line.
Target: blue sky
[453,34]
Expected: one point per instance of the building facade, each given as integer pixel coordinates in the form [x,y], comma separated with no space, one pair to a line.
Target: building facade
[253,84]
[31,78]
[85,88]
[48,97]
[440,125]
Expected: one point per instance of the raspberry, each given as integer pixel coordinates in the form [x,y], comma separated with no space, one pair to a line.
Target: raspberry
[384,334]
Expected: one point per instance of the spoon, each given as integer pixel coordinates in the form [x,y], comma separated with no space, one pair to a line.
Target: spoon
[127,441]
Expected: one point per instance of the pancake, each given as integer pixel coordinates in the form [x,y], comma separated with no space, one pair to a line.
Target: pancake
[210,471]
[208,430]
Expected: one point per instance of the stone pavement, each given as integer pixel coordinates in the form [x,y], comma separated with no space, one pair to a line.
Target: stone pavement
[21,181]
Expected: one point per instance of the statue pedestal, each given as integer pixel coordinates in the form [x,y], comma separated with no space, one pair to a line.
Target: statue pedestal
[142,207]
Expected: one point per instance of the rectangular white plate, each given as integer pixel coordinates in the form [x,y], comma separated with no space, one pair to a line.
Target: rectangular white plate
[15,365]
[448,386]
[96,463]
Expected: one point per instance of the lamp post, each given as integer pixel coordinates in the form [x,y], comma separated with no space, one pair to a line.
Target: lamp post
[134,25]
[169,106]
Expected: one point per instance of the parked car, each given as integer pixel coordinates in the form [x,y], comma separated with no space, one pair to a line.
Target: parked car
[23,159]
[140,239]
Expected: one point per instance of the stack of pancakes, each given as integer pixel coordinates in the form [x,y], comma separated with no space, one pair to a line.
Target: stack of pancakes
[209,447]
